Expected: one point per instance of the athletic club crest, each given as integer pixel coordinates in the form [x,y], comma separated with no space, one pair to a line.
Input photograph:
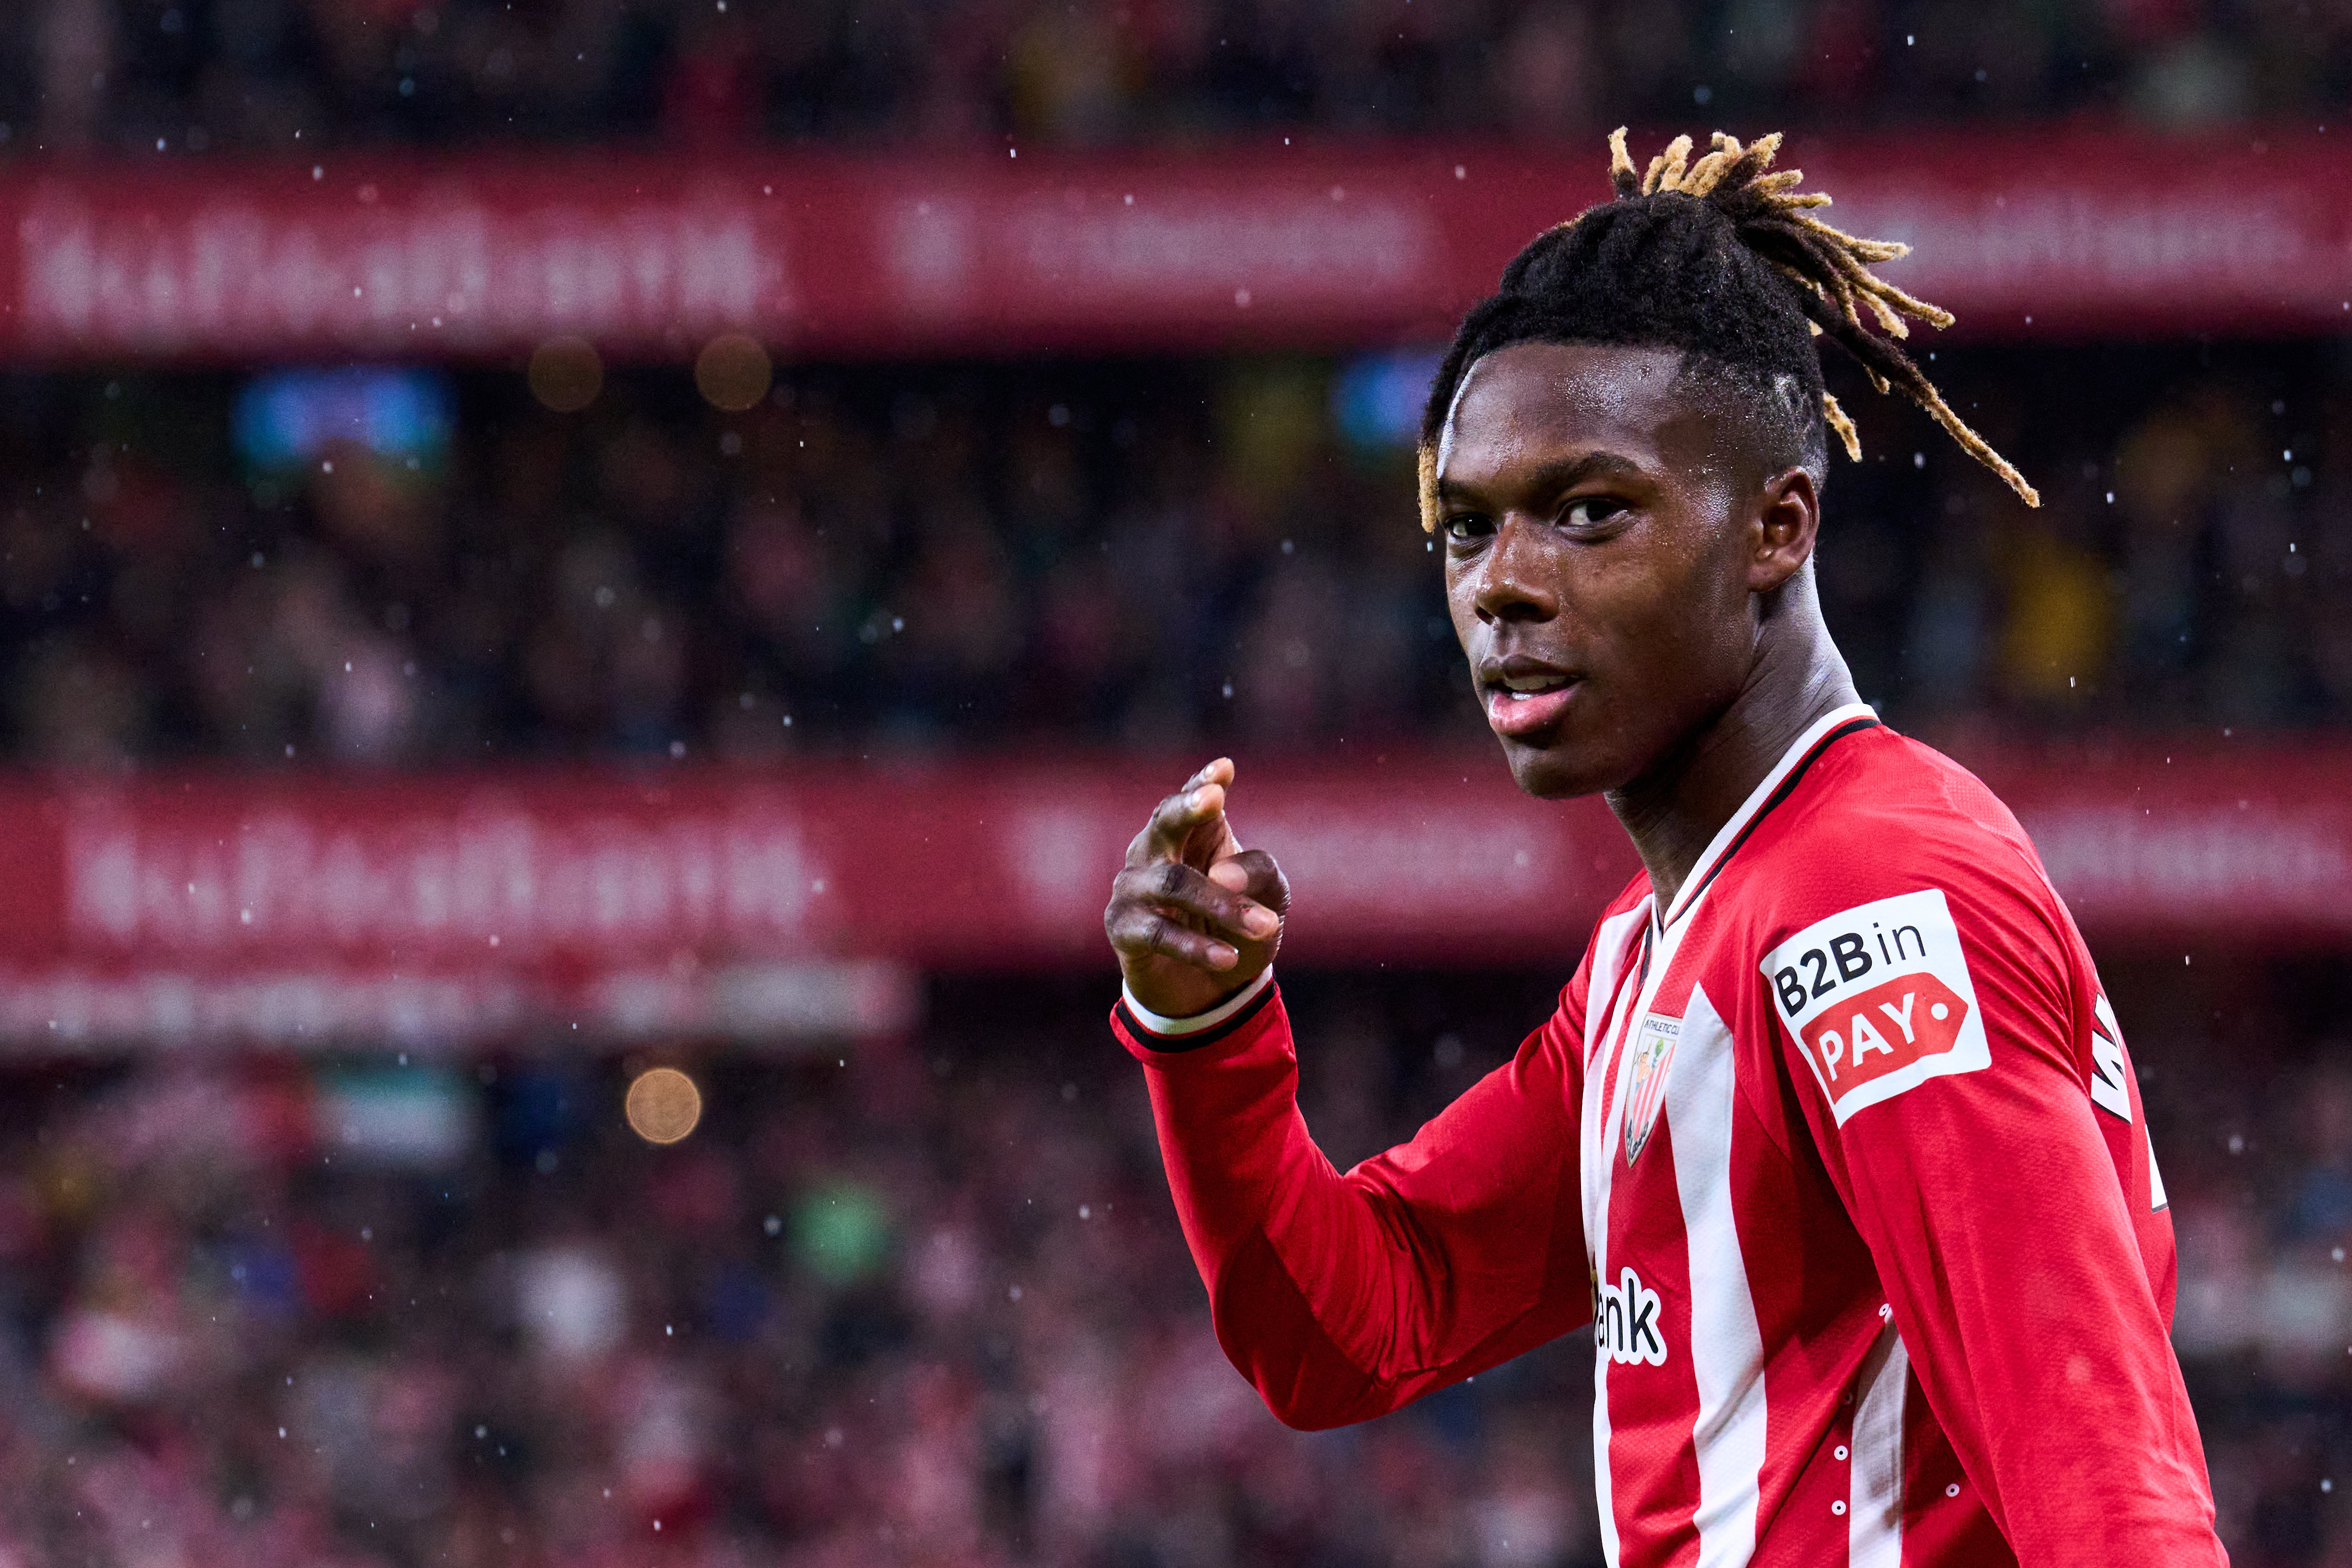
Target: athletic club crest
[1654,1053]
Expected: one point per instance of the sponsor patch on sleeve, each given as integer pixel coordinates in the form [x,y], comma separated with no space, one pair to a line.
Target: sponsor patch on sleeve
[1878,999]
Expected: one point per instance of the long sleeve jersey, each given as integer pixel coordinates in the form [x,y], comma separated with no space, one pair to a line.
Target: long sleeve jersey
[1842,1153]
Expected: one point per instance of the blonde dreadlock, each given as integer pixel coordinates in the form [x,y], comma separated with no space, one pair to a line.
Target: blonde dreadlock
[1721,257]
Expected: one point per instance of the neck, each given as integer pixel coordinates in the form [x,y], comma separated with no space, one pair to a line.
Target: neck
[1674,809]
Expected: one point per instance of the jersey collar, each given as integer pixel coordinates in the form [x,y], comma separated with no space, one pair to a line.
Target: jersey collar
[1817,737]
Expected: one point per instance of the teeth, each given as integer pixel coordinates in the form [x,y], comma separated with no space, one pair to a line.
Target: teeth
[1522,685]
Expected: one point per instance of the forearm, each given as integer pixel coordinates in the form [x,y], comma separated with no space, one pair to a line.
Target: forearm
[2015,1280]
[1342,1297]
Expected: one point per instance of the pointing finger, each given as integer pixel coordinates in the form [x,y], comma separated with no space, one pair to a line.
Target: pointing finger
[1174,822]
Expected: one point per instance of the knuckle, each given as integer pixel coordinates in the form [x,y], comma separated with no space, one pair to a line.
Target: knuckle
[1171,879]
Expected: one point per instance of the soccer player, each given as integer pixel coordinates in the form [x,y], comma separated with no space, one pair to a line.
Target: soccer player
[1833,1137]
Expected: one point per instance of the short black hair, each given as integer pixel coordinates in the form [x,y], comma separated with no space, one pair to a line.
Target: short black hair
[1721,260]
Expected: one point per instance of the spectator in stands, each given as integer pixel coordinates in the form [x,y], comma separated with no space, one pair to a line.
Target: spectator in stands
[253,73]
[936,568]
[248,1324]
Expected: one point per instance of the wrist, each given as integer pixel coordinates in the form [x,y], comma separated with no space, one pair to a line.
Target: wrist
[1178,1028]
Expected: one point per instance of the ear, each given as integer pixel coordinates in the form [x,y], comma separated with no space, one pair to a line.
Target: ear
[1788,515]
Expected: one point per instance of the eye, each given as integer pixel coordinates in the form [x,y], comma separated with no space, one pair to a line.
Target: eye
[1590,511]
[1464,526]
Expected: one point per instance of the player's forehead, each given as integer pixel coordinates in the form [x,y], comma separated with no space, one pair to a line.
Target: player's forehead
[1531,404]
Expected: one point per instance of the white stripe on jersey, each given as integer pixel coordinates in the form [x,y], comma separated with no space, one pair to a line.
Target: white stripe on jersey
[1613,948]
[1874,1519]
[1725,1345]
[1613,945]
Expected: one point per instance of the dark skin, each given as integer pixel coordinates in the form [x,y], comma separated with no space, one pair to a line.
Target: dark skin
[1617,550]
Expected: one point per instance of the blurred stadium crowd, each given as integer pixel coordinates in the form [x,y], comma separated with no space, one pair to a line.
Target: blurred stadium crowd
[928,1305]
[1163,557]
[922,1305]
[199,74]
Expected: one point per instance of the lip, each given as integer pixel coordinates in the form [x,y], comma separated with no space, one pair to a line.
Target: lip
[1516,718]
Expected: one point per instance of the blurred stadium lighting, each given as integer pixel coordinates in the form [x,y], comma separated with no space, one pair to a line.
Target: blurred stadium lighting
[1376,398]
[290,419]
[664,1106]
[566,374]
[733,372]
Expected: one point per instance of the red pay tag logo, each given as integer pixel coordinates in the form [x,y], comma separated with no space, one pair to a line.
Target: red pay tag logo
[1888,1027]
[1878,999]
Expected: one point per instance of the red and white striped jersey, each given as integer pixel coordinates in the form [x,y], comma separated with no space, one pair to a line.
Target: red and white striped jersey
[1843,1155]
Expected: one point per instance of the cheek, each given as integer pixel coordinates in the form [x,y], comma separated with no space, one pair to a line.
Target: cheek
[1634,586]
[1462,601]
[1680,607]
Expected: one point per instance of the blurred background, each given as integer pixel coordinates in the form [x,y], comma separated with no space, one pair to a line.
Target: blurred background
[549,546]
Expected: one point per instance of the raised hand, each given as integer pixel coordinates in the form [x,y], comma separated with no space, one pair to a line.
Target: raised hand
[1193,916]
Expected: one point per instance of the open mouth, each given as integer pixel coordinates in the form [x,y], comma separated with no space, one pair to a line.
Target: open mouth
[1525,702]
[1519,687]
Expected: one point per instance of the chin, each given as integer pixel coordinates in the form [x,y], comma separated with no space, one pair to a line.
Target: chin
[1557,769]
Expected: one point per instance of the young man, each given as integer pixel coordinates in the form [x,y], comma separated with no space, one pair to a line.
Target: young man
[1833,1137]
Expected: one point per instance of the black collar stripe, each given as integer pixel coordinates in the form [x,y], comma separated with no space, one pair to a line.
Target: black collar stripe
[1787,786]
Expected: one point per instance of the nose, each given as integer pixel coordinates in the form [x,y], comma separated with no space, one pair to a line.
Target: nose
[1514,583]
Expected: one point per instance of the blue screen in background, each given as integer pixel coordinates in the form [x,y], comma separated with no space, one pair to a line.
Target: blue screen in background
[1376,398]
[286,419]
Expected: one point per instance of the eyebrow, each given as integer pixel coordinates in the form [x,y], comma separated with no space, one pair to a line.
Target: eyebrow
[1561,474]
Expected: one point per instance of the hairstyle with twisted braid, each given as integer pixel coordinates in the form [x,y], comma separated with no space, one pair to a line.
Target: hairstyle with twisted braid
[1723,258]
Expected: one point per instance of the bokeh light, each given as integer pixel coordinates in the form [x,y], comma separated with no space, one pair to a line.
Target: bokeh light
[663,1105]
[733,372]
[566,374]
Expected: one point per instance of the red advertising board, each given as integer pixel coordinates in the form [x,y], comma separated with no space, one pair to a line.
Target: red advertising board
[2039,230]
[438,910]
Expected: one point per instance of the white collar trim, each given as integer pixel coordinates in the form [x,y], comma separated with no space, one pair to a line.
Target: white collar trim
[1688,894]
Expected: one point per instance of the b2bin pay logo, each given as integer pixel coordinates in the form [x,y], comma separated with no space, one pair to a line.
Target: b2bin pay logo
[1880,999]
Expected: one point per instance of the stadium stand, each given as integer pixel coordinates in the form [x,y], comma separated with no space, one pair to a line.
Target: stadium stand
[1161,556]
[216,74]
[927,1306]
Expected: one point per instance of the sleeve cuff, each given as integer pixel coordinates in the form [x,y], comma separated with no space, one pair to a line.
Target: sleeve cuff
[1155,1024]
[1158,1033]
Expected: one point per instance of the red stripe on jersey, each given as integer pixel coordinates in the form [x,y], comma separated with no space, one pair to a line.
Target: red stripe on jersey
[1802,1275]
[1944,1518]
[1812,1474]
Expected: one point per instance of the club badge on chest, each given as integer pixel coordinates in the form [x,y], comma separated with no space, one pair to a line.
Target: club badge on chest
[1645,1091]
